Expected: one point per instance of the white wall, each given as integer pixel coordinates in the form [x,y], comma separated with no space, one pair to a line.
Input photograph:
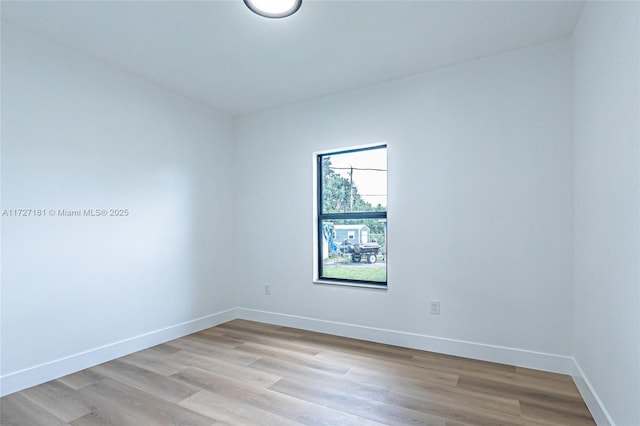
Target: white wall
[480,205]
[77,134]
[607,206]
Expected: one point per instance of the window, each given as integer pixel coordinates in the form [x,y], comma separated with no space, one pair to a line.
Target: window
[352,216]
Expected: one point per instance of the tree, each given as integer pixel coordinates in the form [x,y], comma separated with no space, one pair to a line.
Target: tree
[340,195]
[336,191]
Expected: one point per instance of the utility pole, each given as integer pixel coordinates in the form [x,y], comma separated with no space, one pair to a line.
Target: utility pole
[351,188]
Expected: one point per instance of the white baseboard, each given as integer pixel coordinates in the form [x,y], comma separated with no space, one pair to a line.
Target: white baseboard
[23,379]
[480,351]
[595,405]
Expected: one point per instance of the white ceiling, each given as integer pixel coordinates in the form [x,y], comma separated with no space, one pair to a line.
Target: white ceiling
[221,53]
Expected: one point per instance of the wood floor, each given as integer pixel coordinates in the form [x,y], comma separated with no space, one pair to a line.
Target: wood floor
[247,373]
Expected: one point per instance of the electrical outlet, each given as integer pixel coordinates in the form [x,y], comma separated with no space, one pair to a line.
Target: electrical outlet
[267,289]
[435,307]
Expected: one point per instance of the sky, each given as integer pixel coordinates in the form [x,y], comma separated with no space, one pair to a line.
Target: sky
[372,185]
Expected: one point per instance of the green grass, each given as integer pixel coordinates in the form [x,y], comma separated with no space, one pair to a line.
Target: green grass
[355,273]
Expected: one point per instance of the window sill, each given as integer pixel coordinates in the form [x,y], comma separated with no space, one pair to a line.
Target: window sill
[351,284]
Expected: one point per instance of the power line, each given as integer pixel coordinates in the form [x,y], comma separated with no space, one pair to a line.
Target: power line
[356,168]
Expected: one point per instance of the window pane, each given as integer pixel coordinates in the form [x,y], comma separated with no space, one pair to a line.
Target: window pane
[354,249]
[354,181]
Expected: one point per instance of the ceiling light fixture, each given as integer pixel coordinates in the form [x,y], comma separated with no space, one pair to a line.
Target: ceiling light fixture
[274,8]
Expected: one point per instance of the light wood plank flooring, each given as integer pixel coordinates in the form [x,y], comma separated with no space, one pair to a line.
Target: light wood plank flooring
[248,373]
